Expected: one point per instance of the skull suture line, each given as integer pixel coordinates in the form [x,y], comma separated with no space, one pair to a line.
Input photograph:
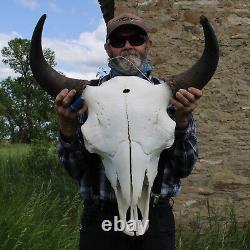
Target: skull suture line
[128,126]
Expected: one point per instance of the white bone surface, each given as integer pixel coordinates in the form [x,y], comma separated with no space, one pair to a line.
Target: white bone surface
[129,131]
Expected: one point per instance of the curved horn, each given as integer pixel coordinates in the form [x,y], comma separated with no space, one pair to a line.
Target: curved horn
[203,70]
[48,78]
[108,9]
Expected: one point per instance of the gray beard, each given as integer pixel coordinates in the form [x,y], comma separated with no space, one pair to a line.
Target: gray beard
[129,62]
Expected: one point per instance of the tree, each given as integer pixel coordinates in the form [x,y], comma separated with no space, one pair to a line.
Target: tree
[26,111]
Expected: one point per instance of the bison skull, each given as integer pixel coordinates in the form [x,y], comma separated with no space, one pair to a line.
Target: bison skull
[128,127]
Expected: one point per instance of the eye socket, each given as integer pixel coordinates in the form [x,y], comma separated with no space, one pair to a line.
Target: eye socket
[126,91]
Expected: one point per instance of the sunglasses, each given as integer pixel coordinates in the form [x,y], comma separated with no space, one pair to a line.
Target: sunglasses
[134,40]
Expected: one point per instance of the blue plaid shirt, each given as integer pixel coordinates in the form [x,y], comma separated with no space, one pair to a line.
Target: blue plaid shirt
[82,166]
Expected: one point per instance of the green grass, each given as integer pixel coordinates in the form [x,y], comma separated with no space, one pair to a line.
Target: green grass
[218,232]
[40,208]
[13,150]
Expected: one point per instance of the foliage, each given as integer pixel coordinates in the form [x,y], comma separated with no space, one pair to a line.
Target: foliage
[36,211]
[26,111]
[41,157]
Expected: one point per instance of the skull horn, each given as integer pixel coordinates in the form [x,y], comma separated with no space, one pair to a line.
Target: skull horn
[48,78]
[202,71]
[108,9]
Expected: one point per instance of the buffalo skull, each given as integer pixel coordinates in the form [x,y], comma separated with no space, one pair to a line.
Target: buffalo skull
[129,138]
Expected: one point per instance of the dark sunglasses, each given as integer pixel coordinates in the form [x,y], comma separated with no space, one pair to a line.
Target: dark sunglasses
[134,40]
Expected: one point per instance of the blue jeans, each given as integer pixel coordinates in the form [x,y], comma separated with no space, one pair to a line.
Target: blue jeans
[160,235]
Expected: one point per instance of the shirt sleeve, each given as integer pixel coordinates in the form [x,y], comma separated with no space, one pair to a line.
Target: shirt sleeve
[183,153]
[73,156]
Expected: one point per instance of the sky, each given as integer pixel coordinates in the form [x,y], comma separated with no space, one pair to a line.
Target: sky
[74,30]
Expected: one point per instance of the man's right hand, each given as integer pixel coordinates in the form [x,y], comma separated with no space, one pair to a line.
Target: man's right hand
[68,120]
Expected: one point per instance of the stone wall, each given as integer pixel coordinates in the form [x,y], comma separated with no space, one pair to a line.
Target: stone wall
[222,173]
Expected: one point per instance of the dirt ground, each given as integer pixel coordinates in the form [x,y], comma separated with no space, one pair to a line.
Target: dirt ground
[222,174]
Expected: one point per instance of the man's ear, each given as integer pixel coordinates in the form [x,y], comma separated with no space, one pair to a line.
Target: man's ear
[107,48]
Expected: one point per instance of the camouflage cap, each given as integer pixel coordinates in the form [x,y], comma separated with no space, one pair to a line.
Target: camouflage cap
[125,19]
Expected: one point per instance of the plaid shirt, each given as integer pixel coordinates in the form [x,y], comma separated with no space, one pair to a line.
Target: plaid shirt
[81,165]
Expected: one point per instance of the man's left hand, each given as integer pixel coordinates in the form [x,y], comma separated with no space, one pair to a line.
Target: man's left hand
[185,102]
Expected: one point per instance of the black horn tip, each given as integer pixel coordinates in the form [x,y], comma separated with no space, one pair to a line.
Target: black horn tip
[203,19]
[40,23]
[203,70]
[42,18]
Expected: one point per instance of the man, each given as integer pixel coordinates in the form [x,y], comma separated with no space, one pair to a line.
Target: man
[127,45]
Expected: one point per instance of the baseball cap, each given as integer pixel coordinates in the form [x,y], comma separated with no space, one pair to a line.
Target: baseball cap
[125,19]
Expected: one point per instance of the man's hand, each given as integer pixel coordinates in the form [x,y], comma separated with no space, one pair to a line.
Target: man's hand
[68,120]
[185,102]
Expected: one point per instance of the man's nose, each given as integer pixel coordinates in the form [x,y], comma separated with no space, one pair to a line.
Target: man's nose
[127,45]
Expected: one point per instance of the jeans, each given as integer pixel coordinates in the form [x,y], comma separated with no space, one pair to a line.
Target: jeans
[159,236]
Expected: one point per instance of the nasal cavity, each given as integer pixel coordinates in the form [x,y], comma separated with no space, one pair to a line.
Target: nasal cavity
[126,91]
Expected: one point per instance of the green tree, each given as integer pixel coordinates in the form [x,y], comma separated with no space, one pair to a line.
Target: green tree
[26,111]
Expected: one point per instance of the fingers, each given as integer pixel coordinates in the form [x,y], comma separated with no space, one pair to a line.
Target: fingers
[61,96]
[177,104]
[188,97]
[65,97]
[68,98]
[185,102]
[184,97]
[196,92]
[63,103]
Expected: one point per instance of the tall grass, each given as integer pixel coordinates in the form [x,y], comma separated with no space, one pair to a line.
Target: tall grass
[220,231]
[13,150]
[40,208]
